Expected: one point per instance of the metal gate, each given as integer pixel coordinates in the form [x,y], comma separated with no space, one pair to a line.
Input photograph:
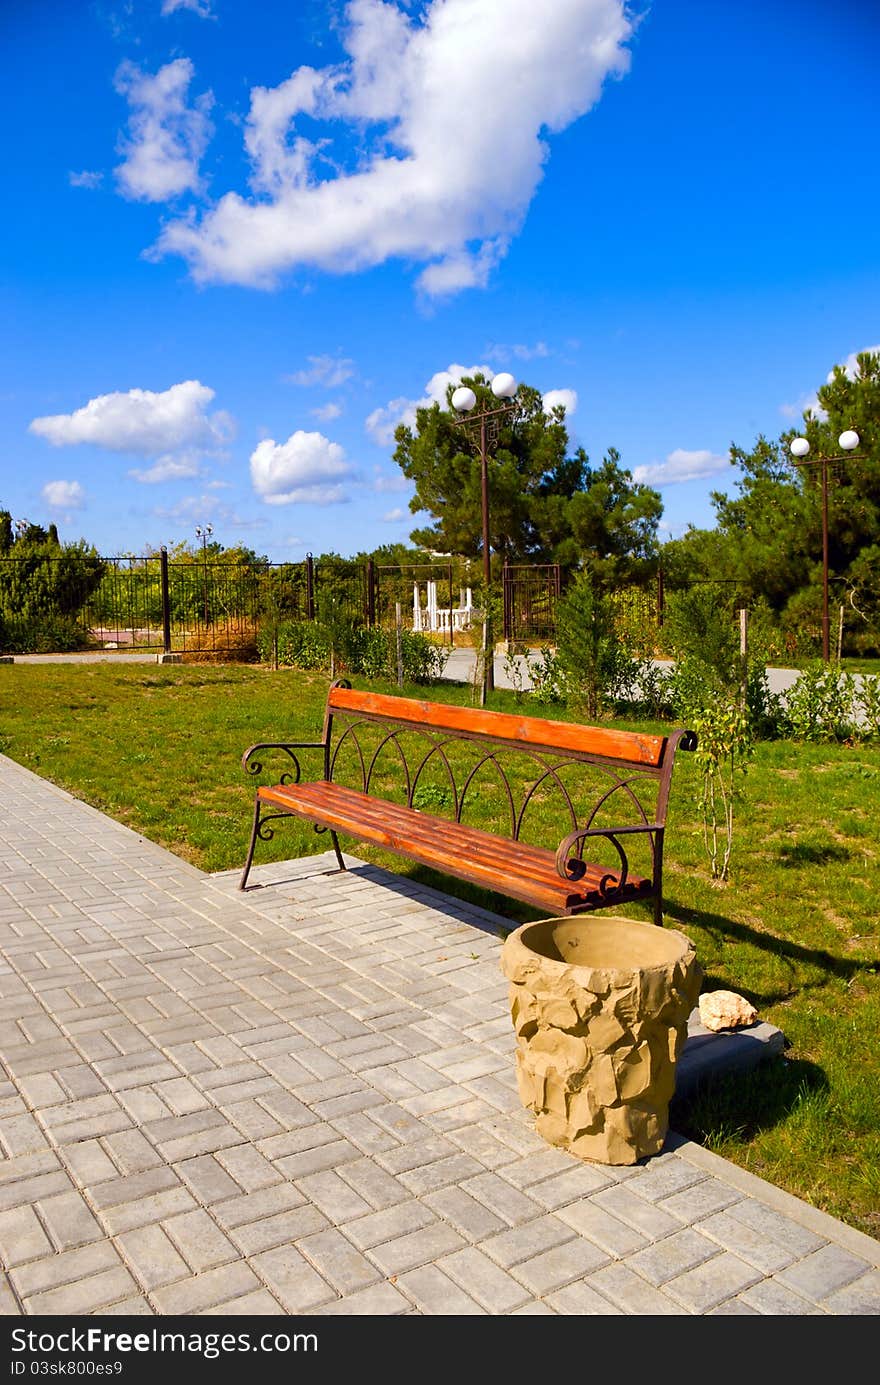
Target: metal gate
[530,596]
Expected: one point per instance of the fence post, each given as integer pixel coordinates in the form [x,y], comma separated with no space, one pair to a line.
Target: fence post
[371,595]
[166,601]
[399,636]
[744,655]
[310,587]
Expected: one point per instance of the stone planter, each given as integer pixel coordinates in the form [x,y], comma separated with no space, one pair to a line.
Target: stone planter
[600,1008]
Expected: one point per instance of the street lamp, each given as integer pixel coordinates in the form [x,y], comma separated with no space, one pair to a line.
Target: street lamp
[799,448]
[482,431]
[204,532]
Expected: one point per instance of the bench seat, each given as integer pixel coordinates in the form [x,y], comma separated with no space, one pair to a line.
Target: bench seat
[524,872]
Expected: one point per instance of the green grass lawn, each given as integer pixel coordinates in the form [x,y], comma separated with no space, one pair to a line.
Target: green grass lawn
[795,929]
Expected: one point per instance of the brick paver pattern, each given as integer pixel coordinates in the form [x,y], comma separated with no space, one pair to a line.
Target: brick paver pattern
[301,1100]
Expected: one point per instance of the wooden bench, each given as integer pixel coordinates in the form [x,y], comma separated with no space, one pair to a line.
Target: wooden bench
[432,782]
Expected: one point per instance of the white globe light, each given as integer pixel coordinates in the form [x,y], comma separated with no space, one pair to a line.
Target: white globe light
[799,447]
[463,399]
[848,440]
[504,386]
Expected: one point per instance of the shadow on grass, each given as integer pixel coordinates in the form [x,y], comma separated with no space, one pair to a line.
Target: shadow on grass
[720,926]
[739,1106]
[808,854]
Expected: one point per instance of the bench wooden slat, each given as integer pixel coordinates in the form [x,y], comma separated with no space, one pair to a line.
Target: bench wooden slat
[629,746]
[524,872]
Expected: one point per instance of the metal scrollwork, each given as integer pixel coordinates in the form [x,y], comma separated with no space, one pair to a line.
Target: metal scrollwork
[570,864]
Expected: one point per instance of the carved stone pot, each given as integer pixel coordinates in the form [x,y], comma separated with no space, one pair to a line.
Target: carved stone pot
[600,1009]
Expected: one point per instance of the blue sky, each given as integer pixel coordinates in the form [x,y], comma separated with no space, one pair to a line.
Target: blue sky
[243,240]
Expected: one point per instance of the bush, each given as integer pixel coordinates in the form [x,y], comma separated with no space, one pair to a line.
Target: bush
[824,705]
[346,646]
[594,666]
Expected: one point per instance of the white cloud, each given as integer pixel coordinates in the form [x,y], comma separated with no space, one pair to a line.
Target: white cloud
[395,482]
[144,422]
[394,516]
[85,179]
[168,468]
[450,107]
[329,371]
[64,495]
[499,352]
[381,423]
[567,398]
[327,412]
[195,510]
[809,403]
[681,466]
[200,7]
[306,470]
[166,138]
[850,365]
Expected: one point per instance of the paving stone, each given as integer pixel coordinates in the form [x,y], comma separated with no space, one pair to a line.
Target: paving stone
[822,1272]
[258,1304]
[523,1242]
[859,1297]
[674,1255]
[772,1299]
[200,1240]
[415,1248]
[131,1151]
[505,1201]
[65,1268]
[207,1290]
[278,1230]
[611,1234]
[580,1299]
[333,1196]
[338,1261]
[69,1220]
[267,1202]
[373,1183]
[483,1280]
[147,1210]
[389,1224]
[560,1265]
[709,1284]
[93,1295]
[286,1272]
[378,1300]
[434,1293]
[629,1292]
[248,1167]
[758,1247]
[471,1218]
[22,1237]
[207,1179]
[151,1256]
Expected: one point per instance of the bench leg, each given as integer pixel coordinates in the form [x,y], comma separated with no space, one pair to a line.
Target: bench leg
[658,910]
[335,840]
[255,832]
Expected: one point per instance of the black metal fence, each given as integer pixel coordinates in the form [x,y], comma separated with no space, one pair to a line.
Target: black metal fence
[215,606]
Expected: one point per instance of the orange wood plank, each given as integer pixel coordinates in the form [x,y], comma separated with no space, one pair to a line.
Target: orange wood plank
[628,746]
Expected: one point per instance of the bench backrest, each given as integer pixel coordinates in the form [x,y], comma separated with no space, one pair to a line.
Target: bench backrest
[624,757]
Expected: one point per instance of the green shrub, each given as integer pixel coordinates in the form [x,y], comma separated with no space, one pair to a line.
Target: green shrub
[823,705]
[347,646]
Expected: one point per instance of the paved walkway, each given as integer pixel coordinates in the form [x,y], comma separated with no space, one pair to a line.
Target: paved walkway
[300,1101]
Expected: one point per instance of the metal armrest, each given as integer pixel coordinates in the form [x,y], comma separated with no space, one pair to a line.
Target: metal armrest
[288,748]
[573,868]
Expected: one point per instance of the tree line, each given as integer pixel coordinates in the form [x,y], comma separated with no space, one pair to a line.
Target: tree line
[549,503]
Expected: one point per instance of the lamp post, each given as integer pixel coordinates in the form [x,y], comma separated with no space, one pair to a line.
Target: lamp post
[204,532]
[799,448]
[482,431]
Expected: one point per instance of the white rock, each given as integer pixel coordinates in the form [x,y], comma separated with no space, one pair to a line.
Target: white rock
[726,1010]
